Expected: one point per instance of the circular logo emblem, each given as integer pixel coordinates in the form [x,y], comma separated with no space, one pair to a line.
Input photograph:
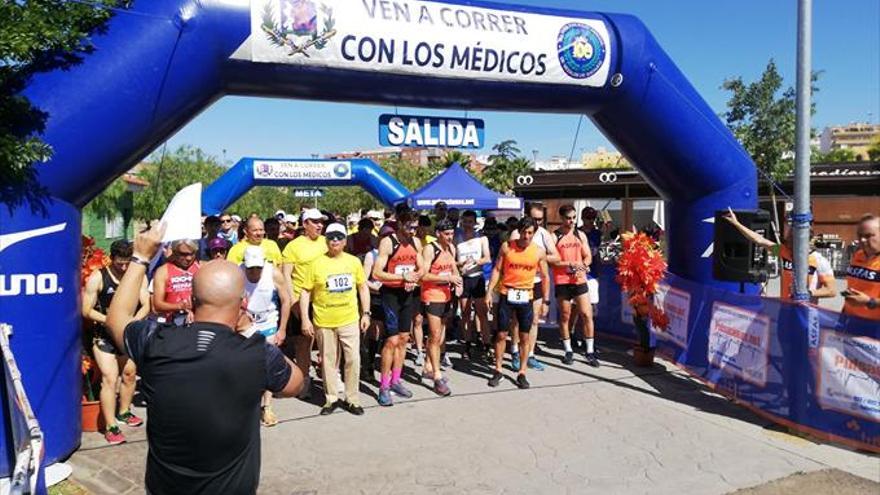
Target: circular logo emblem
[264,169]
[341,169]
[581,50]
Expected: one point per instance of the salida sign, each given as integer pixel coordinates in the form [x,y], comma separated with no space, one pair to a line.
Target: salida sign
[415,131]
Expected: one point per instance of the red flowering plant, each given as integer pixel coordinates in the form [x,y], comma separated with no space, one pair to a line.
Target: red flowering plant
[640,268]
[93,258]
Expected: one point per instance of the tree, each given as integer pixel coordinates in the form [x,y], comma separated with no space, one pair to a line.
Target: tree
[169,174]
[840,155]
[501,174]
[455,156]
[874,150]
[505,150]
[37,36]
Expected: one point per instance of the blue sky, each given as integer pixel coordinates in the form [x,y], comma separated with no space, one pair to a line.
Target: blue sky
[709,40]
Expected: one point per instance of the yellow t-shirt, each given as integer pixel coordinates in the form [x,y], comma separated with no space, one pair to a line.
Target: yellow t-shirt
[301,252]
[333,283]
[269,247]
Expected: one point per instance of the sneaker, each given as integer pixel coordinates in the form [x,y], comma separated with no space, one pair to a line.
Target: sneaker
[268,417]
[420,358]
[445,362]
[355,409]
[514,361]
[496,379]
[521,382]
[329,408]
[592,360]
[114,435]
[129,418]
[441,387]
[385,397]
[400,390]
[568,358]
[534,364]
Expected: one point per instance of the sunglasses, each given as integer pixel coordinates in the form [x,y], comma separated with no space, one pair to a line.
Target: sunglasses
[335,236]
[226,220]
[186,255]
[217,251]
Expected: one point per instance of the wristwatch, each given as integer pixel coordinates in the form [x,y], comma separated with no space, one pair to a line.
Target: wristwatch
[367,313]
[140,261]
[872,303]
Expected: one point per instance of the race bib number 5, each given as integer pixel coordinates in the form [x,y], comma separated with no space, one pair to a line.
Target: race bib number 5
[519,296]
[340,283]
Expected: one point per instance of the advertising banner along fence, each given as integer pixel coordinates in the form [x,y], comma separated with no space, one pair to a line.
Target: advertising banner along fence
[802,366]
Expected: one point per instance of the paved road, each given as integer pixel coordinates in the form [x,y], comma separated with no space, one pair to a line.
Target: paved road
[611,430]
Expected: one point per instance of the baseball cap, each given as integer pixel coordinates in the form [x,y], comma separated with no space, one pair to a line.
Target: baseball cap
[280,214]
[236,218]
[218,243]
[254,257]
[312,214]
[289,218]
[375,215]
[335,228]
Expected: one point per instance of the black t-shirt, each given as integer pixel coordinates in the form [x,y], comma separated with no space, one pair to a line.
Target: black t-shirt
[203,385]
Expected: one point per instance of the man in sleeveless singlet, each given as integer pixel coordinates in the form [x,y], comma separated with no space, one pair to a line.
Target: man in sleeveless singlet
[863,274]
[472,253]
[518,262]
[97,295]
[172,283]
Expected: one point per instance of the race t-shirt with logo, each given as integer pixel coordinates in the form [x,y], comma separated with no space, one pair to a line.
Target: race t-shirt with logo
[518,271]
[301,252]
[863,274]
[570,248]
[269,247]
[819,269]
[178,285]
[403,259]
[469,252]
[443,265]
[333,283]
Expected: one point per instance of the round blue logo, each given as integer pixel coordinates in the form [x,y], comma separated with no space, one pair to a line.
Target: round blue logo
[341,169]
[581,50]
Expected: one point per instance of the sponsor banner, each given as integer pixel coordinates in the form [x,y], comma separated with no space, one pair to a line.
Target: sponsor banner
[738,342]
[677,305]
[302,170]
[509,204]
[450,202]
[446,132]
[431,39]
[849,375]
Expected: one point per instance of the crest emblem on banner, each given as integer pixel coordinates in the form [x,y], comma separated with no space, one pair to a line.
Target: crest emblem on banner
[264,170]
[581,50]
[296,25]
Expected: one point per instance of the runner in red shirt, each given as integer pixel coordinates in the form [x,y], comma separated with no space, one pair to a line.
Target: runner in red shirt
[172,283]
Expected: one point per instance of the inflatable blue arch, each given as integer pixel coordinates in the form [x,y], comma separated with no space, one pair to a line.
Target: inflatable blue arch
[300,172]
[157,67]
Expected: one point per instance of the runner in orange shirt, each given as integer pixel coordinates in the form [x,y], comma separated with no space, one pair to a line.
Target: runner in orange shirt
[863,274]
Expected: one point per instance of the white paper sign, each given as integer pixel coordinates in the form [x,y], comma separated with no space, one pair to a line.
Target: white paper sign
[738,342]
[849,375]
[430,39]
[676,304]
[183,217]
[301,170]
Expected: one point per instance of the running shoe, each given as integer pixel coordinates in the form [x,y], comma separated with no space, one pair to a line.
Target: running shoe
[268,417]
[445,362]
[514,361]
[441,387]
[568,358]
[592,360]
[355,409]
[129,418]
[400,390]
[385,397]
[420,358]
[534,364]
[329,408]
[114,435]
[496,379]
[521,382]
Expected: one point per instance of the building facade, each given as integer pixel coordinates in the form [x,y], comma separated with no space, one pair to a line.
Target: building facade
[857,137]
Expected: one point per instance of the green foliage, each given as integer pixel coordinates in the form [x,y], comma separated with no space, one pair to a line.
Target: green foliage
[455,156]
[169,174]
[37,36]
[109,202]
[504,167]
[505,150]
[842,155]
[874,150]
[763,119]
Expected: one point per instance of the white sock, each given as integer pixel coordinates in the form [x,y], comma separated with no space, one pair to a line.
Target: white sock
[515,347]
[590,345]
[531,354]
[567,344]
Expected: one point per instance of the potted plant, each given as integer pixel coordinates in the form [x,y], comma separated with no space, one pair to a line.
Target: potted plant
[93,258]
[640,268]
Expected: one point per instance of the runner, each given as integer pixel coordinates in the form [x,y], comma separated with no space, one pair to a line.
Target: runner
[570,277]
[863,274]
[172,284]
[218,248]
[228,228]
[399,267]
[97,294]
[517,265]
[545,241]
[363,241]
[297,257]
[472,253]
[335,283]
[371,339]
[438,306]
[255,235]
[262,282]
[423,234]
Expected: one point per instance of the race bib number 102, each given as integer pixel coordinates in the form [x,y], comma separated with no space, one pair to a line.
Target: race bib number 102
[340,283]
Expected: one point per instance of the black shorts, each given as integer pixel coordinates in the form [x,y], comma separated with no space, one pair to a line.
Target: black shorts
[473,287]
[523,313]
[438,309]
[571,291]
[399,307]
[102,340]
[294,323]
[538,291]
[376,311]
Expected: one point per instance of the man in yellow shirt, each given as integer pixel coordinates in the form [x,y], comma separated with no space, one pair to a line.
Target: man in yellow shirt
[296,258]
[255,235]
[329,284]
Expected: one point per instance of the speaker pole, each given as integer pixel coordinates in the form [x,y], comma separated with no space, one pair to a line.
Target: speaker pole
[801,217]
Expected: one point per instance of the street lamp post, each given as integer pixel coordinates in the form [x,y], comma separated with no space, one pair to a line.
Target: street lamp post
[801,216]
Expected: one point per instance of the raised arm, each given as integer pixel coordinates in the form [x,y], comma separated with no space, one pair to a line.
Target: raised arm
[748,233]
